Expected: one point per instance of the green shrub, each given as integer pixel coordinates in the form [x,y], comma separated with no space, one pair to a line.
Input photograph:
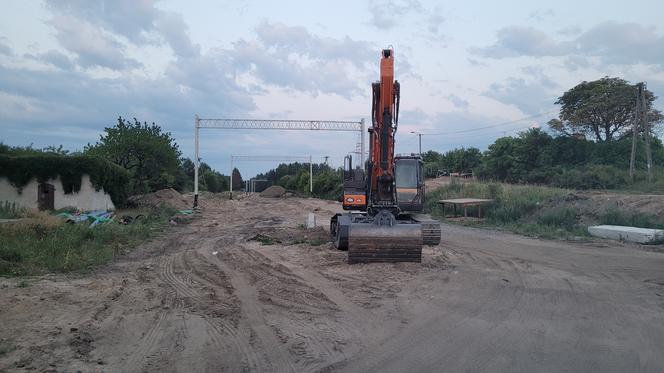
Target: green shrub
[592,177]
[615,216]
[561,217]
[10,210]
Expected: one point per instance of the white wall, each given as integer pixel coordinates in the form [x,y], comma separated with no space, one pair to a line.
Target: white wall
[86,199]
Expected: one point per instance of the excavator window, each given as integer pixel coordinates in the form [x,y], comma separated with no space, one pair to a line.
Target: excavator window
[407,173]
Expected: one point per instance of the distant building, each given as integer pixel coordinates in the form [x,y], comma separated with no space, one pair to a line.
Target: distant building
[50,195]
[49,182]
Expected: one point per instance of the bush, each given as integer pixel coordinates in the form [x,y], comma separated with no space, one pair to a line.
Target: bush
[616,216]
[561,217]
[10,210]
[592,177]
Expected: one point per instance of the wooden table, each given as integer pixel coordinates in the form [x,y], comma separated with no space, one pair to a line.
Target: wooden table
[465,202]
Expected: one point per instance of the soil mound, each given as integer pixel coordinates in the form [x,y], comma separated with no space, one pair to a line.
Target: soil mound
[275,191]
[165,197]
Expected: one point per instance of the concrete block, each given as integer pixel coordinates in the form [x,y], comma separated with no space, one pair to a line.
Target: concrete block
[311,220]
[632,234]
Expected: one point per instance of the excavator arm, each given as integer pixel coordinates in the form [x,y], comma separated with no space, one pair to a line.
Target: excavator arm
[385,118]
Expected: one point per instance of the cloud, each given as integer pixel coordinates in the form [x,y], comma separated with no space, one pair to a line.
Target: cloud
[68,100]
[515,41]
[385,14]
[53,58]
[458,102]
[476,63]
[622,43]
[92,46]
[529,96]
[413,117]
[613,43]
[291,57]
[570,31]
[573,63]
[59,100]
[133,19]
[298,40]
[434,20]
[541,15]
[537,72]
[4,48]
[174,30]
[139,21]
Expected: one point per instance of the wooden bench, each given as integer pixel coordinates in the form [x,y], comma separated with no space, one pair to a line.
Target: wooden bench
[465,202]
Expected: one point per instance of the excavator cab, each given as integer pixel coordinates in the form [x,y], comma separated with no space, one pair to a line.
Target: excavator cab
[409,183]
[354,197]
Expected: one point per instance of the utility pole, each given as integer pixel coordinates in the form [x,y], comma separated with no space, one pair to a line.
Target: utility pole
[196,160]
[230,183]
[420,139]
[646,129]
[311,176]
[636,124]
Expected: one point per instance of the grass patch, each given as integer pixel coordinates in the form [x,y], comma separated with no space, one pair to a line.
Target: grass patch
[6,348]
[47,244]
[517,208]
[616,216]
[10,210]
[263,239]
[318,241]
[511,202]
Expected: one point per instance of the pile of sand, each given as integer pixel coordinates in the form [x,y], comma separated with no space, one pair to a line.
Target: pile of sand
[165,197]
[275,191]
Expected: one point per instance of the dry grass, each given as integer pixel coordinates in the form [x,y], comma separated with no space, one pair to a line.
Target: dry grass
[42,243]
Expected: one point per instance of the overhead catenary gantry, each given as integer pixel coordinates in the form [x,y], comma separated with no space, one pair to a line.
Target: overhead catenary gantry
[271,124]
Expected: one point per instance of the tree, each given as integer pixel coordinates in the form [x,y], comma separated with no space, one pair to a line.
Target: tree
[431,156]
[602,109]
[501,162]
[238,183]
[151,156]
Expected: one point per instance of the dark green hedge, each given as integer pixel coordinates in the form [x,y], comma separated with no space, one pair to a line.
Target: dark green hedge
[43,167]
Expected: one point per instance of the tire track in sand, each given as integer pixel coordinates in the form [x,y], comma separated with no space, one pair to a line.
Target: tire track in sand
[278,358]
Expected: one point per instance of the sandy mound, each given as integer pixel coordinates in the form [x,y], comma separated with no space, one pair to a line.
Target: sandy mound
[165,197]
[274,191]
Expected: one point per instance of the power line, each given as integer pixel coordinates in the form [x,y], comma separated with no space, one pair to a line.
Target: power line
[489,126]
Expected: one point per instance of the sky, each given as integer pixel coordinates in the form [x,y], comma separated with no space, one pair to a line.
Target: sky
[470,71]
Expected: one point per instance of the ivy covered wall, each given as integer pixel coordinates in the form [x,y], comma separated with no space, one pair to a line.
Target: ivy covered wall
[19,170]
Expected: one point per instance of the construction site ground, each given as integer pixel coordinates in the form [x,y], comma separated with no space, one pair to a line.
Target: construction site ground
[245,287]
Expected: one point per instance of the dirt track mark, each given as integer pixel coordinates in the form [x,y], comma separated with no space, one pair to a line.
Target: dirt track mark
[278,359]
[483,301]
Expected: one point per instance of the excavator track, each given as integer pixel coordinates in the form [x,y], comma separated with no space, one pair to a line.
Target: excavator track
[368,242]
[431,232]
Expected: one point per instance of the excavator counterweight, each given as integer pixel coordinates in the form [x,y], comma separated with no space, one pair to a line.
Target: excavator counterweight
[383,197]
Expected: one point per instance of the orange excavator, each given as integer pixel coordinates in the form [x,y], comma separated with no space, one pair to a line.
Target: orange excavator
[384,198]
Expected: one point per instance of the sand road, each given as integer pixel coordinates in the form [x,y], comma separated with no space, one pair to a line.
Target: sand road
[244,287]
